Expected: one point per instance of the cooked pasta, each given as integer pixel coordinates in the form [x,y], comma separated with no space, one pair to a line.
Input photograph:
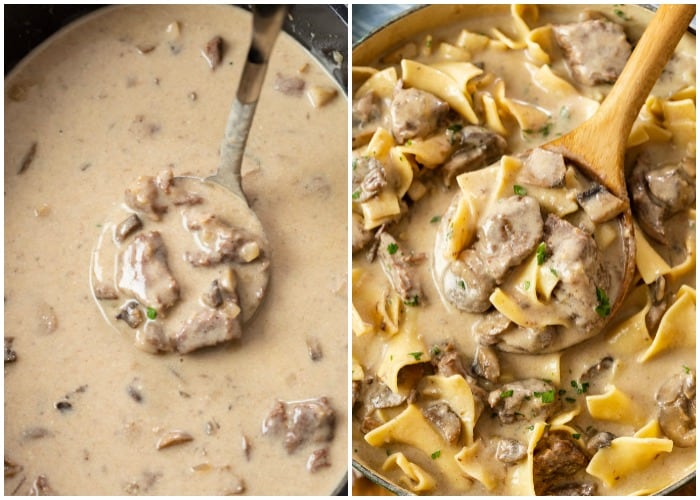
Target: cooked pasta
[482,264]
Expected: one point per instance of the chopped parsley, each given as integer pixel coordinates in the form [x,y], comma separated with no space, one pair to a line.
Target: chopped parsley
[554,272]
[531,428]
[151,313]
[429,41]
[455,128]
[519,190]
[526,285]
[435,454]
[506,394]
[686,369]
[569,399]
[544,130]
[435,350]
[356,194]
[392,248]
[435,218]
[541,253]
[564,112]
[620,13]
[576,436]
[603,308]
[546,396]
[416,355]
[462,284]
[409,142]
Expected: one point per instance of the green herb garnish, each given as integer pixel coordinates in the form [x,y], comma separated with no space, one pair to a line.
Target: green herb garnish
[603,308]
[413,301]
[519,190]
[435,454]
[356,194]
[392,248]
[526,285]
[541,253]
[416,355]
[576,436]
[151,313]
[435,218]
[580,389]
[506,394]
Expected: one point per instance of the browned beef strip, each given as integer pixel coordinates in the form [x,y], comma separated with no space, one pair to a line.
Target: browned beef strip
[308,421]
[596,50]
[528,399]
[556,458]
[223,243]
[144,197]
[398,269]
[476,147]
[467,284]
[144,273]
[207,327]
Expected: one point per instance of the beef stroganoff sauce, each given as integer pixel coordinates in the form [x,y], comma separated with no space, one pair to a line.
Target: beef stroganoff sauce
[483,265]
[138,91]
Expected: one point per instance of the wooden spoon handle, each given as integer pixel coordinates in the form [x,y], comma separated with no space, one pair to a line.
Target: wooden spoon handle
[601,141]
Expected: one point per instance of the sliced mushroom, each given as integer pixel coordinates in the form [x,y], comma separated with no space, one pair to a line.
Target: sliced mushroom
[172,438]
[131,314]
[676,401]
[127,227]
[600,204]
[510,451]
[445,420]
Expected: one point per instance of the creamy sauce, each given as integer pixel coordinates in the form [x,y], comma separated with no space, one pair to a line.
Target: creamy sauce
[122,93]
[438,322]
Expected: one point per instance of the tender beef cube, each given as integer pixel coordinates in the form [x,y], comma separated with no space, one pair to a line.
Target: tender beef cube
[476,147]
[510,451]
[373,181]
[488,328]
[223,243]
[398,268]
[543,168]
[366,117]
[467,284]
[445,421]
[144,273]
[599,440]
[510,232]
[525,339]
[127,227]
[308,421]
[360,236]
[144,197]
[527,399]
[447,361]
[600,204]
[556,457]
[596,50]
[318,459]
[677,408]
[151,338]
[572,490]
[486,363]
[208,327]
[578,263]
[416,114]
[658,194]
[379,395]
[131,314]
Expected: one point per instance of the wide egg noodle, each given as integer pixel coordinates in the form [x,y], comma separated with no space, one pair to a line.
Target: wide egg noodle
[524,366]
[455,391]
[403,349]
[414,477]
[381,83]
[411,428]
[520,477]
[677,327]
[614,406]
[478,463]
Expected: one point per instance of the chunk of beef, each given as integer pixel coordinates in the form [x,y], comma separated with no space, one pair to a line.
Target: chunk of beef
[398,268]
[658,194]
[144,273]
[467,284]
[145,197]
[318,459]
[596,50]
[445,421]
[510,231]
[555,459]
[529,399]
[308,421]
[373,181]
[447,361]
[476,147]
[151,338]
[522,339]
[578,263]
[543,168]
[676,401]
[366,117]
[510,451]
[489,326]
[416,114]
[222,242]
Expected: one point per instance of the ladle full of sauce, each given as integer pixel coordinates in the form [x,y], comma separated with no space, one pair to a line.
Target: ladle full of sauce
[598,145]
[184,262]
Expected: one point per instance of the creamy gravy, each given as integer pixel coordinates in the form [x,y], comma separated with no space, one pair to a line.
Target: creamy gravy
[437,322]
[126,92]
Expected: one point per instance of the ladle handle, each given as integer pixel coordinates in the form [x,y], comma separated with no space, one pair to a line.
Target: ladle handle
[267,23]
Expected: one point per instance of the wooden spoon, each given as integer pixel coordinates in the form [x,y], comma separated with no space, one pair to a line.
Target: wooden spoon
[598,145]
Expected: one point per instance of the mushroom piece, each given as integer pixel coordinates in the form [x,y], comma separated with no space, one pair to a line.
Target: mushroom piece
[600,204]
[510,451]
[676,401]
[445,421]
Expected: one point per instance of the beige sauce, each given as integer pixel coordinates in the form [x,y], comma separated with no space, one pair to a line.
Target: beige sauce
[101,113]
[438,322]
